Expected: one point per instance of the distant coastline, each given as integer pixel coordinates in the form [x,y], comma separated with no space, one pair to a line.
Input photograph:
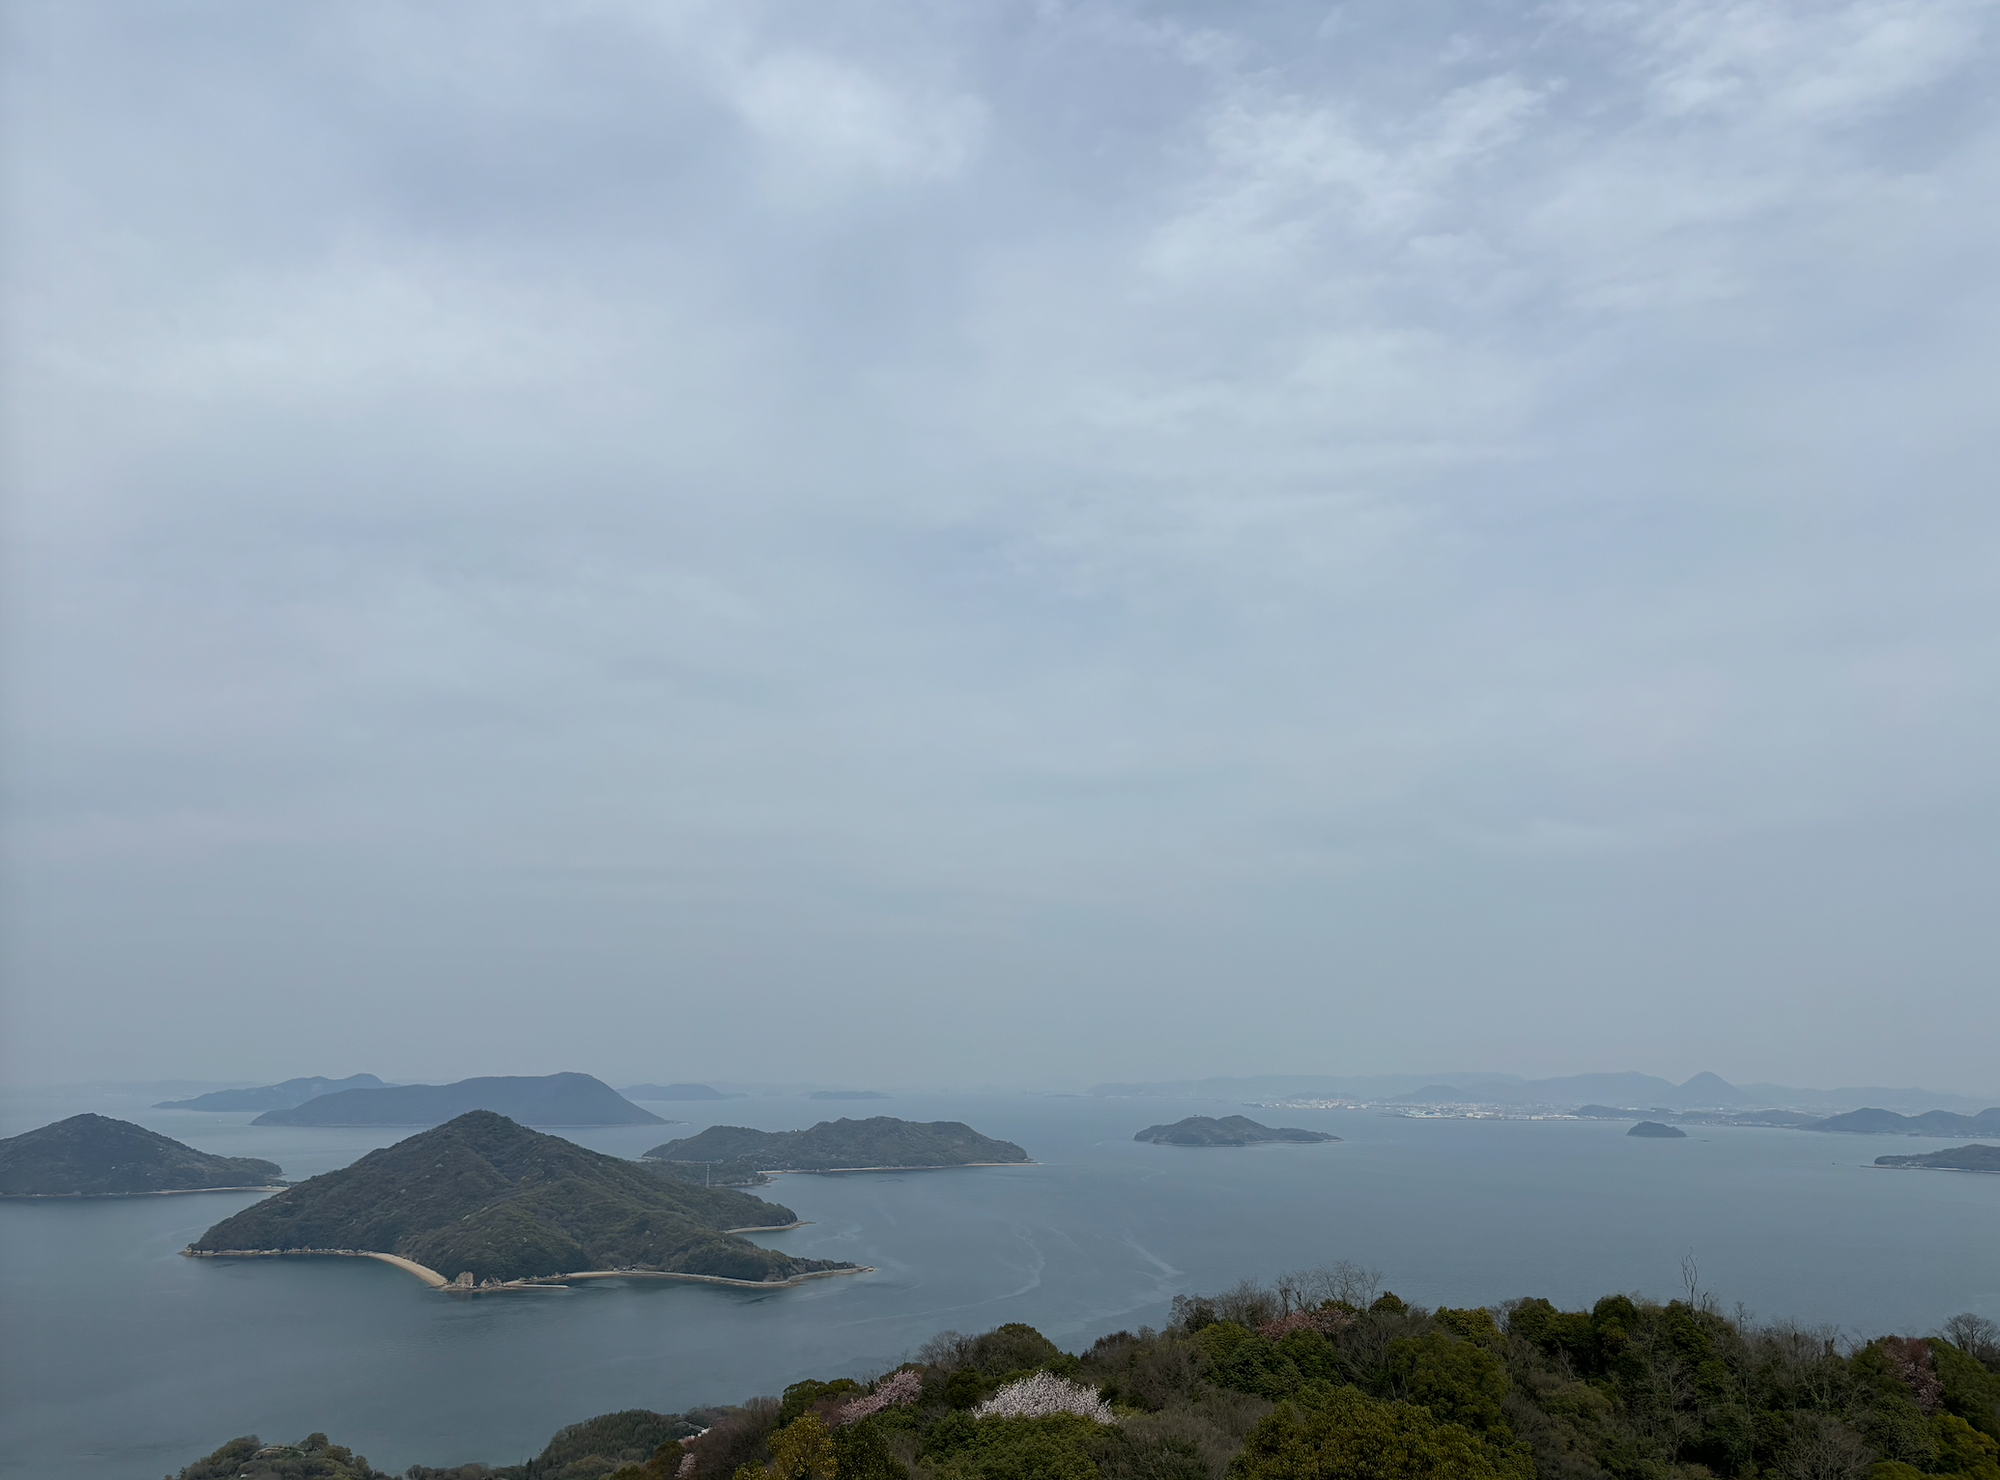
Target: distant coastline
[437,1281]
[148,1192]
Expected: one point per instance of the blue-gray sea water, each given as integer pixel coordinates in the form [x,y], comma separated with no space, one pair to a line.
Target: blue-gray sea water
[122,1361]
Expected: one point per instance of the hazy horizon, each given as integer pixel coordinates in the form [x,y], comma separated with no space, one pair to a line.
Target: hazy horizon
[1002,543]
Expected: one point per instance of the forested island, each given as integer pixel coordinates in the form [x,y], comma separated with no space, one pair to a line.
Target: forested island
[96,1156]
[1229,1130]
[486,1197]
[280,1096]
[1652,1130]
[877,1144]
[1320,1377]
[534,1099]
[1959,1159]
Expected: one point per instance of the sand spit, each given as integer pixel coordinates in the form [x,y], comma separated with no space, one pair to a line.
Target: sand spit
[150,1192]
[464,1285]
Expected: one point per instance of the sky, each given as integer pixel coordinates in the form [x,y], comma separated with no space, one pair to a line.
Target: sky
[1000,543]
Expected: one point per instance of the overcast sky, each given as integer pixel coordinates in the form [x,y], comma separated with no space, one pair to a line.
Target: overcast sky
[1002,542]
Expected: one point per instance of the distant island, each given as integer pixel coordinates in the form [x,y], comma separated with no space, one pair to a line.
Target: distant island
[881,1143]
[497,1203]
[95,1156]
[674,1092]
[272,1096]
[1653,1130]
[1872,1122]
[1230,1130]
[545,1099]
[1958,1159]
[846,1094]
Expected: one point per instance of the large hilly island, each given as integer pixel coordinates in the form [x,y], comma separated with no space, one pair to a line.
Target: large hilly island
[844,1145]
[1229,1130]
[485,1195]
[95,1156]
[272,1096]
[1973,1158]
[544,1099]
[1872,1122]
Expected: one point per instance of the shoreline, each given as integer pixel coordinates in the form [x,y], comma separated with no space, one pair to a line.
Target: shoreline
[949,1167]
[149,1192]
[437,1281]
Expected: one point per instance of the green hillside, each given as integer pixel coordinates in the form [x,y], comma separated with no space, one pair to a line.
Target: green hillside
[882,1141]
[486,1195]
[95,1156]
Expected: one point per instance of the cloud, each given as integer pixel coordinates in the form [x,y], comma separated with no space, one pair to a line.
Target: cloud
[1084,501]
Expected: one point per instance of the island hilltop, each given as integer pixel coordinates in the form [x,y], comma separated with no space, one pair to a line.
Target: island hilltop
[880,1143]
[532,1099]
[95,1156]
[1230,1130]
[483,1196]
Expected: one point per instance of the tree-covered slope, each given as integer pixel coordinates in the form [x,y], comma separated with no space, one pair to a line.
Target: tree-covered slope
[1322,1378]
[1229,1130]
[881,1141]
[538,1099]
[1973,1158]
[486,1195]
[93,1155]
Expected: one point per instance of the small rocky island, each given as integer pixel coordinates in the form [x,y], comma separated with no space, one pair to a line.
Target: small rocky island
[1958,1159]
[1653,1130]
[496,1203]
[1229,1130]
[881,1143]
[531,1099]
[95,1156]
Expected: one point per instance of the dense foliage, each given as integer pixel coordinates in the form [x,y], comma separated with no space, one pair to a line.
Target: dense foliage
[486,1195]
[95,1156]
[880,1141]
[1320,1377]
[312,1458]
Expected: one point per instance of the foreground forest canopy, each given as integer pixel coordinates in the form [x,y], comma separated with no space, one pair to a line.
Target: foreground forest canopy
[502,1202]
[1320,1377]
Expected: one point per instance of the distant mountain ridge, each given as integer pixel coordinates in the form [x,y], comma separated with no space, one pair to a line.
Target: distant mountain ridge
[1704,1091]
[1872,1121]
[272,1096]
[543,1099]
[96,1156]
[675,1092]
[485,1195]
[840,1145]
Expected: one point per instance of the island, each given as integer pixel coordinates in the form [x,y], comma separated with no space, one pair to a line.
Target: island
[272,1096]
[675,1092]
[1959,1159]
[95,1156]
[882,1143]
[543,1099]
[1652,1130]
[847,1094]
[1874,1122]
[1229,1130]
[502,1205]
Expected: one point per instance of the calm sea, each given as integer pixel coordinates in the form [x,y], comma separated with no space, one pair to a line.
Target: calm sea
[122,1361]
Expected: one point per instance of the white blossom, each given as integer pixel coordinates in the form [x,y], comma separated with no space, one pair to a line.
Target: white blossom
[1043,1395]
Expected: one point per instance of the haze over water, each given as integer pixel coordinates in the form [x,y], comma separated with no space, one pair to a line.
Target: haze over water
[125,1361]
